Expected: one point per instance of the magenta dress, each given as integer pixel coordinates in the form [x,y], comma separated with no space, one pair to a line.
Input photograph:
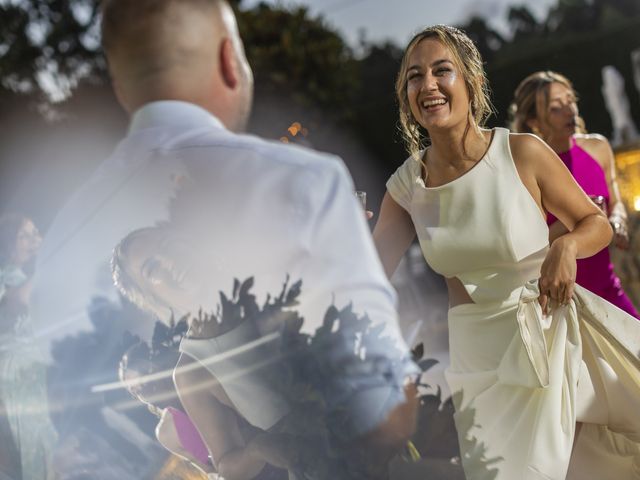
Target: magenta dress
[595,273]
[193,443]
[189,436]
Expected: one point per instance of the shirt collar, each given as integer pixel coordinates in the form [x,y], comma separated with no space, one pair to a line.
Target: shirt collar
[172,113]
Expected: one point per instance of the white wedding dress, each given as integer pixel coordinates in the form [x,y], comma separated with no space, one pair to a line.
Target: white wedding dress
[521,380]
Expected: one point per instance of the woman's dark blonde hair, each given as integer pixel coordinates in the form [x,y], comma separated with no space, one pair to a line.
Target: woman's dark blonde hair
[531,100]
[468,60]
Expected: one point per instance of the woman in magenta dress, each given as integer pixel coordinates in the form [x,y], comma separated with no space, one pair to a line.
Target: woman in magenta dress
[545,104]
[146,373]
[174,431]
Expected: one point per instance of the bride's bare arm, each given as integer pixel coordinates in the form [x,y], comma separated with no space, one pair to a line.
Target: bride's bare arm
[552,185]
[393,234]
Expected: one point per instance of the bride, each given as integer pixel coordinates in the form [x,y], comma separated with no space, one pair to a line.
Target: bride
[533,355]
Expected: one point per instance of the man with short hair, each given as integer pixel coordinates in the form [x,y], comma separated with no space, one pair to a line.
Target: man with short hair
[189,51]
[247,209]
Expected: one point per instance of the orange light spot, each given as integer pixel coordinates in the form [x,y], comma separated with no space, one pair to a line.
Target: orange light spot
[295,128]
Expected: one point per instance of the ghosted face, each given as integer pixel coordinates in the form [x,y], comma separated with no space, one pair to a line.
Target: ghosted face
[28,241]
[162,265]
[436,90]
[135,385]
[559,116]
[156,393]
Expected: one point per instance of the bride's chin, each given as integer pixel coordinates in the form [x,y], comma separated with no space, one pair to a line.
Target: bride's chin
[434,120]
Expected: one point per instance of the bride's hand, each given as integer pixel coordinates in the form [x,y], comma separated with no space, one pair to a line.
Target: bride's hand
[558,274]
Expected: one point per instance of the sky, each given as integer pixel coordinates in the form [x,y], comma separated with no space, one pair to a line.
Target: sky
[398,20]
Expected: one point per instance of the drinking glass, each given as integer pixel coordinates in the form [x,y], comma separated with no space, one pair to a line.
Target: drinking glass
[361,195]
[600,201]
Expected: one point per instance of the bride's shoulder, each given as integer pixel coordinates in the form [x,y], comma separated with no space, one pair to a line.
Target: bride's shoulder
[412,164]
[524,140]
[526,146]
[532,155]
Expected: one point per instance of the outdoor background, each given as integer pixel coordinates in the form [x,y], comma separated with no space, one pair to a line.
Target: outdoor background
[330,66]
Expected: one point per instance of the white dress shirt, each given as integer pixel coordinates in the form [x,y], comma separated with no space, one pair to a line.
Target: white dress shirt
[256,209]
[129,190]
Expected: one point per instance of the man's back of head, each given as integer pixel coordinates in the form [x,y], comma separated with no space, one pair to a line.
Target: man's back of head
[188,50]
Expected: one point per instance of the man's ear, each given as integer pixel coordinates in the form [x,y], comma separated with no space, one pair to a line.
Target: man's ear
[228,63]
[120,96]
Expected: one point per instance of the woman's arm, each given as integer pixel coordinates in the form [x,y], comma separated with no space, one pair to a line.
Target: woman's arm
[393,234]
[556,230]
[215,422]
[554,188]
[600,149]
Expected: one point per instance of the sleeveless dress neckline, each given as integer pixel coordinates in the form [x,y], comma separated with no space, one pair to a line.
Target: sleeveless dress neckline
[423,181]
[572,144]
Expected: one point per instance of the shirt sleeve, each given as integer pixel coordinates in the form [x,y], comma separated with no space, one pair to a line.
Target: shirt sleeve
[400,184]
[365,357]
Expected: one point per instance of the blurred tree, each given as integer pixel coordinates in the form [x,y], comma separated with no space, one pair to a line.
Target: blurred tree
[574,16]
[52,68]
[580,56]
[586,15]
[47,45]
[488,41]
[304,70]
[522,23]
[375,110]
[613,13]
[291,52]
[627,8]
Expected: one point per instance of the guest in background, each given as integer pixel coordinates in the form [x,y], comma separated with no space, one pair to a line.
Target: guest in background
[546,104]
[536,361]
[146,373]
[23,391]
